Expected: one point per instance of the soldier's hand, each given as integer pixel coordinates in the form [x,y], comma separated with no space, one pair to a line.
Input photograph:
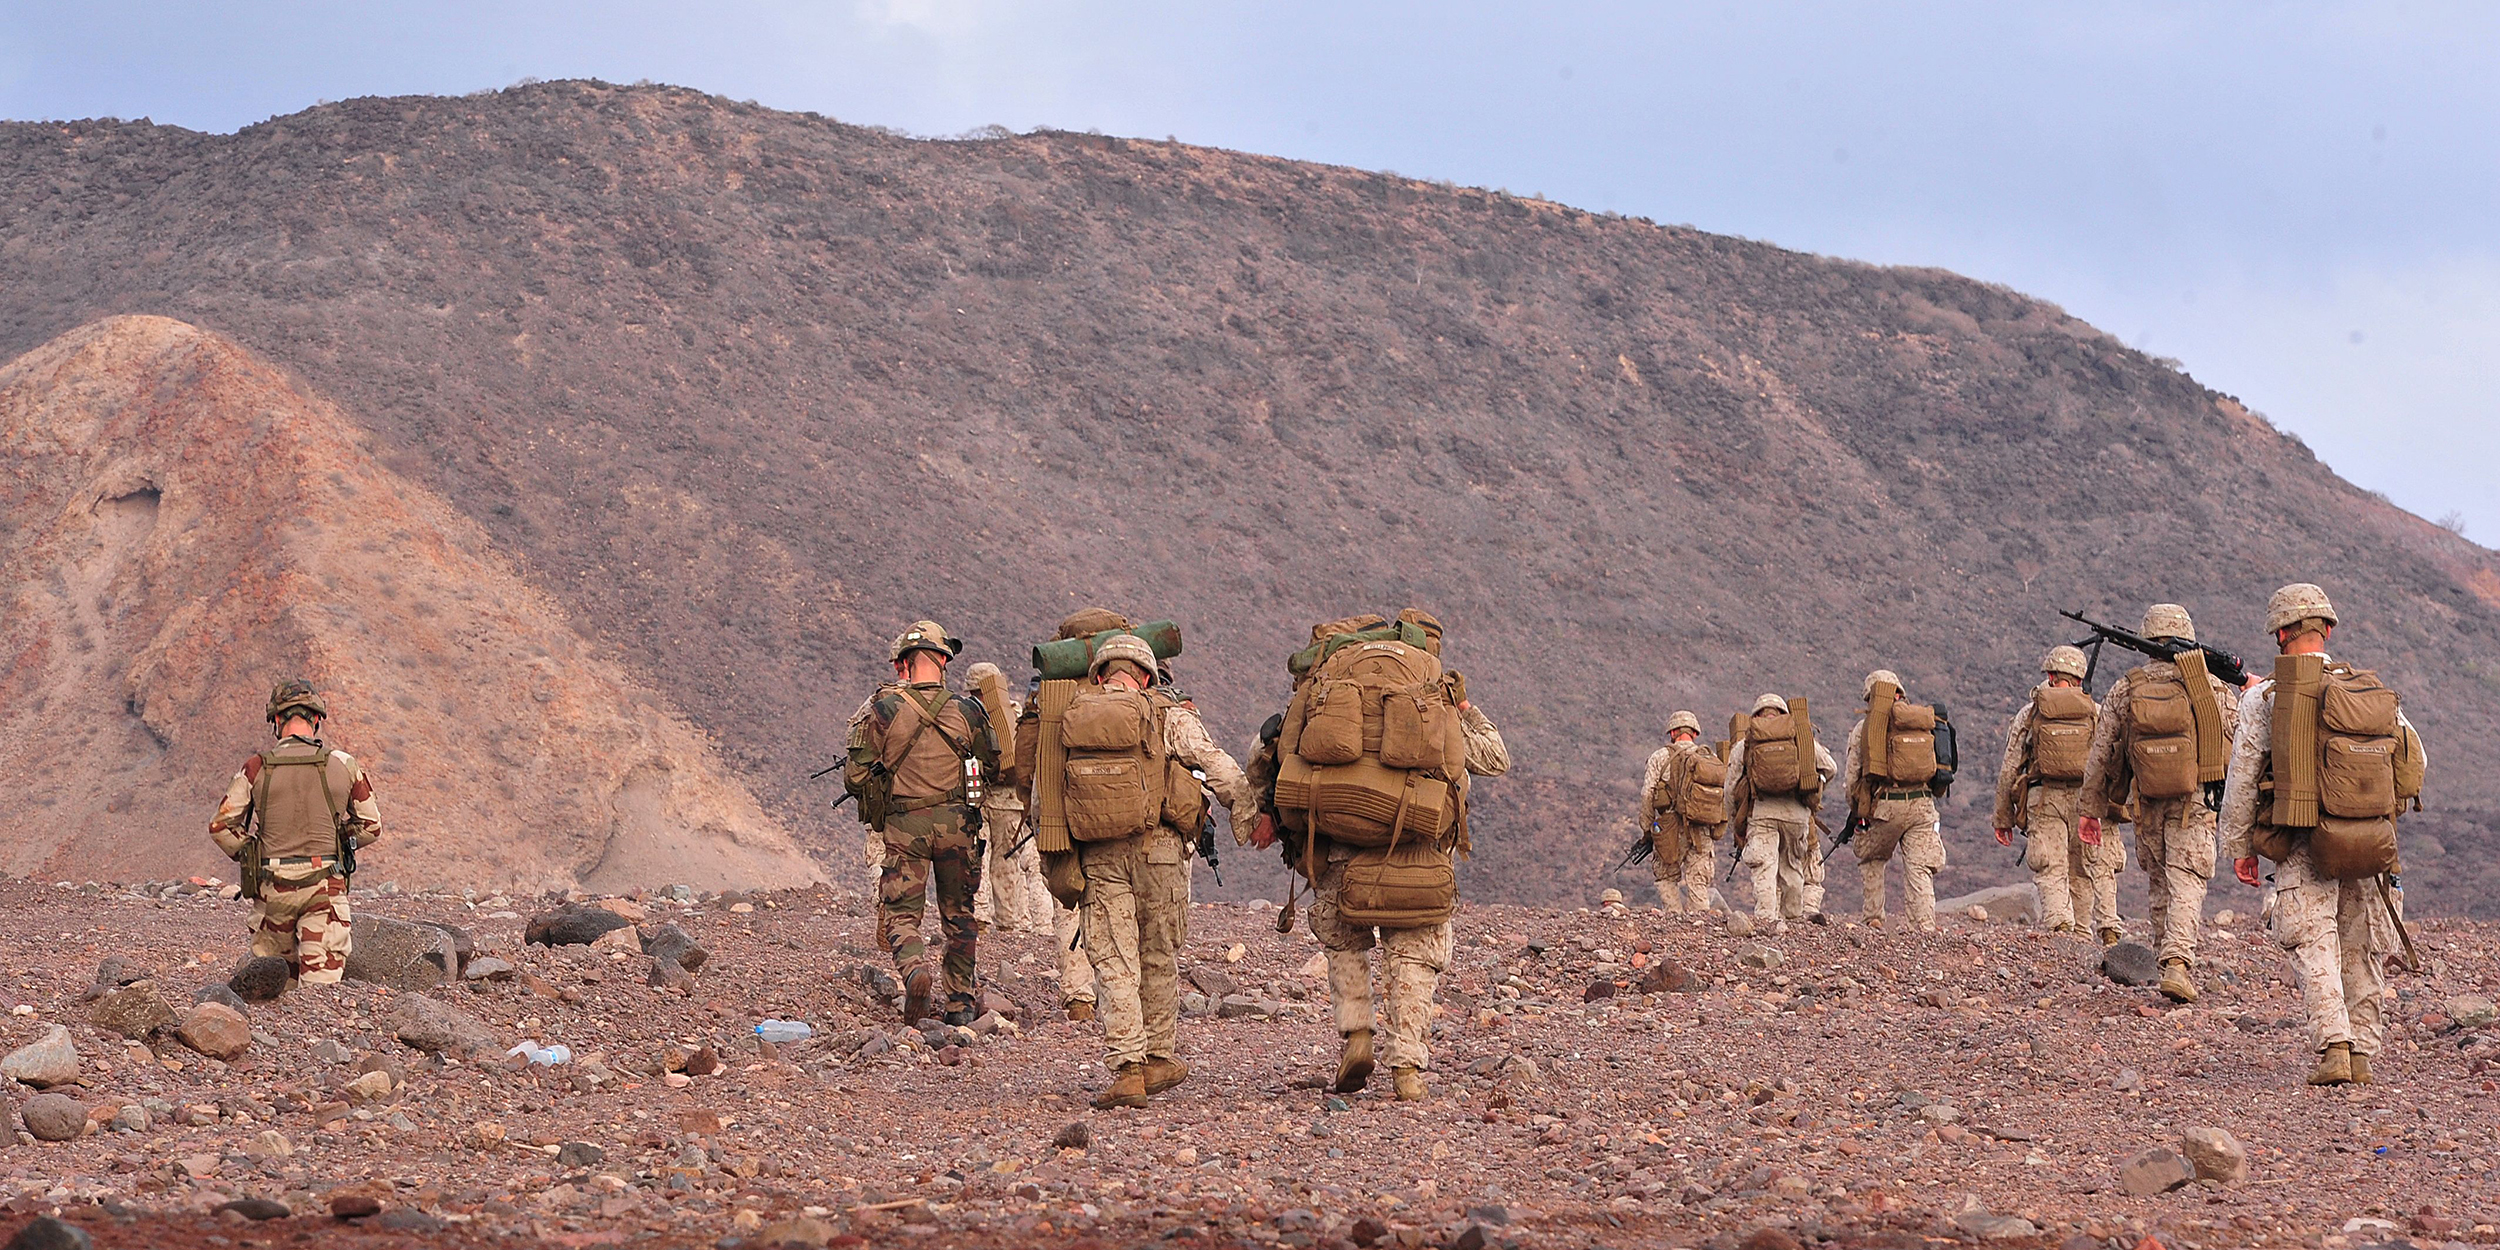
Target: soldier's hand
[1263,834]
[2005,837]
[2246,870]
[2089,829]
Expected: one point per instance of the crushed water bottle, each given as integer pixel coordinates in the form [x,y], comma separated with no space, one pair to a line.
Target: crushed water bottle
[783,1032]
[543,1056]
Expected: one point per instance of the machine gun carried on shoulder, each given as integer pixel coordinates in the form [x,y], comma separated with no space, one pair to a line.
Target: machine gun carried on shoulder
[2218,662]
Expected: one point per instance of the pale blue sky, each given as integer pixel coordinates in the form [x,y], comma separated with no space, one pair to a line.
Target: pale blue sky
[2301,201]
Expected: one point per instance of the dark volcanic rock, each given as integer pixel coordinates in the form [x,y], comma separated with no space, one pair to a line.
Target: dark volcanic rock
[574,924]
[261,979]
[671,944]
[2131,963]
[45,1232]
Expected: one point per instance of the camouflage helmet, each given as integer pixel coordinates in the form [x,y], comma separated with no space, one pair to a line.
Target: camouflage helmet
[295,695]
[2064,661]
[2298,602]
[980,672]
[1880,677]
[2168,620]
[927,636]
[1684,720]
[1127,647]
[1769,703]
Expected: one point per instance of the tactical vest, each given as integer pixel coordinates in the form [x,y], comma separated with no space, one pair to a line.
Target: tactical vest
[300,806]
[2340,767]
[2062,719]
[1371,752]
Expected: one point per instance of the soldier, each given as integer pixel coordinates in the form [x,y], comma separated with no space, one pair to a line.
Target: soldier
[2157,737]
[918,757]
[1893,813]
[1014,900]
[1413,957]
[2038,787]
[1685,849]
[1136,888]
[1777,813]
[315,808]
[2326,915]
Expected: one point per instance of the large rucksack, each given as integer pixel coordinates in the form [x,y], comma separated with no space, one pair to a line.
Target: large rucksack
[1117,768]
[2062,718]
[2342,765]
[1371,751]
[2162,751]
[1900,740]
[1700,787]
[1780,754]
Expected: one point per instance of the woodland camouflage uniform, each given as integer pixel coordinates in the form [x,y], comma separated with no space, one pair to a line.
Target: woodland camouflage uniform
[299,907]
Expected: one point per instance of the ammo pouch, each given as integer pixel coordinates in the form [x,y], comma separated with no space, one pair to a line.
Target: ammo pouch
[875,787]
[1406,886]
[254,875]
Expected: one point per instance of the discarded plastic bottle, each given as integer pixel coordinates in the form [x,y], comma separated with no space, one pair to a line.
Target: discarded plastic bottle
[783,1032]
[543,1056]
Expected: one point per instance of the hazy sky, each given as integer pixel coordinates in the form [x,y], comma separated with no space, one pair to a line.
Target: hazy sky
[2300,201]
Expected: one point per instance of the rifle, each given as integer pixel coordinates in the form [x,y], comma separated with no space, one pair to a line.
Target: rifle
[2413,958]
[1639,852]
[2220,663]
[1849,829]
[876,768]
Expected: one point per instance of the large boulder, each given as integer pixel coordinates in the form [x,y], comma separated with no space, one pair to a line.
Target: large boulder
[400,955]
[134,1010]
[436,1028]
[48,1061]
[463,945]
[2004,904]
[215,1030]
[574,924]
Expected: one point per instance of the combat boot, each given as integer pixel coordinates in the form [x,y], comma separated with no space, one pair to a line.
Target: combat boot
[1354,1067]
[1872,922]
[2112,937]
[2334,1066]
[2175,984]
[1410,1083]
[959,1012]
[2064,926]
[916,988]
[1163,1072]
[2360,1068]
[1127,1089]
[1080,1010]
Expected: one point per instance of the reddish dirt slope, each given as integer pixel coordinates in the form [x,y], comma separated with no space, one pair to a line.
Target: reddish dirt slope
[186,525]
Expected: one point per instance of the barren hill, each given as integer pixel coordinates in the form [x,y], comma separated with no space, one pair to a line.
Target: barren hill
[185,526]
[745,390]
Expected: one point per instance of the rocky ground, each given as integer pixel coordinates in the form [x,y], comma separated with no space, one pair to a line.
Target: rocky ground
[1836,1084]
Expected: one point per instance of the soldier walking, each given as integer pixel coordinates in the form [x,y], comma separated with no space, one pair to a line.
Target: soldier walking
[1892,800]
[2162,744]
[2322,761]
[314,808]
[1013,897]
[2039,786]
[1683,797]
[1773,788]
[919,759]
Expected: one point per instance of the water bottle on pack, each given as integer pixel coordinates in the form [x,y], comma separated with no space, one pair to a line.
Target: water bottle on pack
[783,1032]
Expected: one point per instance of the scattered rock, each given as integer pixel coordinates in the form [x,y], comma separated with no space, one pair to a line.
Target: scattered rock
[1739,925]
[1470,1238]
[670,944]
[215,1030]
[256,1209]
[270,1144]
[803,1230]
[411,1220]
[1076,1135]
[220,992]
[463,946]
[1668,976]
[1988,1226]
[1596,990]
[703,1062]
[134,1010]
[434,1027]
[368,1087]
[2215,1154]
[574,924]
[48,1061]
[354,1205]
[2004,904]
[580,1154]
[54,1117]
[668,974]
[2155,1171]
[2471,1011]
[1762,957]
[489,968]
[2131,963]
[401,955]
[1769,1237]
[46,1233]
[1213,982]
[1366,1231]
[261,978]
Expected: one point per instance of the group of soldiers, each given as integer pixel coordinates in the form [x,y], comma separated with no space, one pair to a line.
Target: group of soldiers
[1094,812]
[2186,757]
[928,767]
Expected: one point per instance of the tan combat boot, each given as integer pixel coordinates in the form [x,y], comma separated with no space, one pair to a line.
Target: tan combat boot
[2334,1066]
[2175,983]
[1354,1067]
[1080,1010]
[1163,1072]
[1410,1083]
[916,988]
[2112,937]
[2360,1068]
[1128,1088]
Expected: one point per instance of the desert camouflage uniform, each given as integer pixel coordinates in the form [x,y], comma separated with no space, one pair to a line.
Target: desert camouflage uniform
[1683,878]
[2075,880]
[2174,838]
[1016,900]
[1782,853]
[301,914]
[1411,959]
[2336,932]
[932,830]
[1903,819]
[1136,913]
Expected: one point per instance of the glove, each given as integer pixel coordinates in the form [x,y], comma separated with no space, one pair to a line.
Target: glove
[2089,829]
[2005,837]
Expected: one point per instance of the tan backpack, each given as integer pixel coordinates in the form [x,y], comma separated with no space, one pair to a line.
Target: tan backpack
[2342,765]
[1900,739]
[1779,753]
[1371,751]
[1701,787]
[2062,718]
[2162,751]
[1117,769]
